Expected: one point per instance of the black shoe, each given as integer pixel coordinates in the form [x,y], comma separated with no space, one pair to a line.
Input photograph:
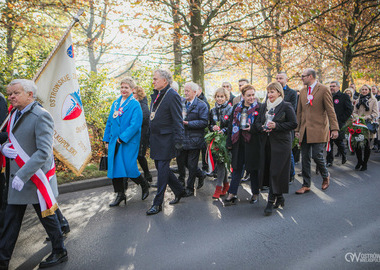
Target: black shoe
[357,167]
[254,199]
[54,259]
[4,265]
[268,209]
[364,167]
[119,198]
[231,201]
[344,159]
[178,198]
[145,192]
[329,164]
[201,180]
[188,193]
[280,201]
[174,170]
[155,209]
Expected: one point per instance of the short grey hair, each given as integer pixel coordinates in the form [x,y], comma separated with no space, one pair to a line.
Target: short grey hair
[165,74]
[336,82]
[193,86]
[175,86]
[27,85]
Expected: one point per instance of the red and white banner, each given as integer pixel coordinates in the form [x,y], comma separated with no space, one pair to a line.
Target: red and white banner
[59,93]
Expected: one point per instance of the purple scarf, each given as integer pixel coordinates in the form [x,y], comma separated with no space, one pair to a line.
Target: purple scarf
[236,121]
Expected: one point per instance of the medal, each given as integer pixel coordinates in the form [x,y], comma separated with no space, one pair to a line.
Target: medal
[310,99]
[152,115]
[115,114]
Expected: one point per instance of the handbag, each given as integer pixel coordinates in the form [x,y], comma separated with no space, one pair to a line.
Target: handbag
[372,126]
[103,165]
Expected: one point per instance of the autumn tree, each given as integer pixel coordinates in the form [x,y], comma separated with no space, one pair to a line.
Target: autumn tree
[349,33]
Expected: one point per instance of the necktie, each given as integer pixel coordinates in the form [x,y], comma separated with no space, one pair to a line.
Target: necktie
[187,105]
[309,90]
[18,114]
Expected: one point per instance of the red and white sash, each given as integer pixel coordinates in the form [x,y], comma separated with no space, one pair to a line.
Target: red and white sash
[45,194]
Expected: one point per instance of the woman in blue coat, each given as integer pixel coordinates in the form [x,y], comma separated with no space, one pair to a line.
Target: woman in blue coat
[122,138]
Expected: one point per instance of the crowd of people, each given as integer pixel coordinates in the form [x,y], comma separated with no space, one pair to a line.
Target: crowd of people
[258,134]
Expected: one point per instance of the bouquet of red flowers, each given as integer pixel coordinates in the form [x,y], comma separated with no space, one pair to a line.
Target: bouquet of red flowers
[216,148]
[356,132]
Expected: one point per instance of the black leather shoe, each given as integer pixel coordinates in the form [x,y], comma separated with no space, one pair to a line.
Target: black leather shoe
[4,265]
[329,164]
[357,167]
[280,201]
[178,198]
[268,209]
[119,198]
[188,193]
[155,209]
[344,159]
[54,259]
[201,180]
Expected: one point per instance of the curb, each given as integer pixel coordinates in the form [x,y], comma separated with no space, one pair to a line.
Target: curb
[89,184]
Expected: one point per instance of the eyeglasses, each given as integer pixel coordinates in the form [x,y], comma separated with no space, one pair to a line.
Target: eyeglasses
[303,76]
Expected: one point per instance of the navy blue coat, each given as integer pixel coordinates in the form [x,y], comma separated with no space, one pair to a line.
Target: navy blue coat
[197,116]
[290,96]
[166,129]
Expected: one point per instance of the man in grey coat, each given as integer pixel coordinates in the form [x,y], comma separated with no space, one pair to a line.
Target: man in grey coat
[30,142]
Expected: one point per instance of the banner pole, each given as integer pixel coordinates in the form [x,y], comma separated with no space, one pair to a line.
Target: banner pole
[47,60]
[59,44]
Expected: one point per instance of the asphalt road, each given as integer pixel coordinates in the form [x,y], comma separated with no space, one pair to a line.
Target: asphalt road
[313,231]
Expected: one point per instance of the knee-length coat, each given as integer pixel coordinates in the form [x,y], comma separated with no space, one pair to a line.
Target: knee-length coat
[275,171]
[122,158]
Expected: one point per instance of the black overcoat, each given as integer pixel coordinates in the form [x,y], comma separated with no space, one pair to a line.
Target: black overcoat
[276,147]
[144,141]
[166,129]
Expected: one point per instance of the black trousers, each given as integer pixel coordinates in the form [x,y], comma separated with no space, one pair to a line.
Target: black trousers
[144,165]
[12,224]
[165,177]
[189,159]
[341,148]
[367,153]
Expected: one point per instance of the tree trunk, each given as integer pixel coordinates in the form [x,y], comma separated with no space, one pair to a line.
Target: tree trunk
[10,31]
[347,47]
[176,39]
[197,56]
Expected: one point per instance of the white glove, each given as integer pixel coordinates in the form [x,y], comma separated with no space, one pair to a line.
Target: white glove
[17,183]
[8,151]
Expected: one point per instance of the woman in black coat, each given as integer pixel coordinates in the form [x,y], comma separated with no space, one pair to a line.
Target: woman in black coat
[276,144]
[244,143]
[139,94]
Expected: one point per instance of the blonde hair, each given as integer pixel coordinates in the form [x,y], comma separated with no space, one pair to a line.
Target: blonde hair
[140,92]
[129,81]
[276,86]
[222,91]
[369,88]
[351,90]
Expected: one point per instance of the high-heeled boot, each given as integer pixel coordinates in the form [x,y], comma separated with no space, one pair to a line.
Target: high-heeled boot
[269,208]
[119,198]
[280,201]
[144,186]
[226,186]
[359,156]
[367,153]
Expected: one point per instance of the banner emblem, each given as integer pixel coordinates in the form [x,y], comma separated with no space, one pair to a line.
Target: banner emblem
[72,106]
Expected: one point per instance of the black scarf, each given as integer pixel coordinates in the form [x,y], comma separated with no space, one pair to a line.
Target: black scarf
[364,100]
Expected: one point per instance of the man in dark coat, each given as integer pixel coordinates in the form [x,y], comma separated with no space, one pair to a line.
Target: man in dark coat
[343,110]
[289,96]
[166,135]
[228,86]
[202,97]
[195,121]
